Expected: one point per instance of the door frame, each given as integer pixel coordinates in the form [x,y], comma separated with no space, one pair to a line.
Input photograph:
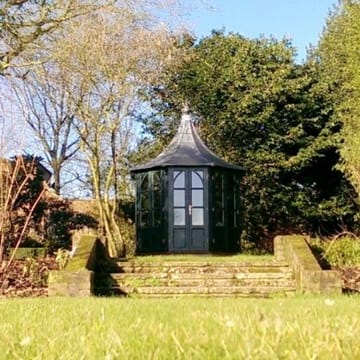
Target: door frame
[188,227]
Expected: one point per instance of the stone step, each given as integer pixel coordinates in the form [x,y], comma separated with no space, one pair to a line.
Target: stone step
[202,268]
[196,278]
[269,263]
[195,282]
[158,284]
[198,283]
[203,291]
[201,275]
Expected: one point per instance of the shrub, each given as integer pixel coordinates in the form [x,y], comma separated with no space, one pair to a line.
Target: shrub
[62,258]
[127,229]
[343,251]
[54,228]
[61,223]
[32,270]
[252,248]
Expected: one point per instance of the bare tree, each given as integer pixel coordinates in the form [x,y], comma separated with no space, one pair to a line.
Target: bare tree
[113,56]
[96,66]
[27,27]
[13,138]
[43,103]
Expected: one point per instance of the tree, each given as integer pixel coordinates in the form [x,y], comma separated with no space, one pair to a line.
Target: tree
[29,31]
[114,55]
[338,57]
[42,100]
[27,27]
[261,110]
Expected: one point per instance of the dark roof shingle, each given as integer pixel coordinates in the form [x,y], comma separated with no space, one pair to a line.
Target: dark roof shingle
[186,149]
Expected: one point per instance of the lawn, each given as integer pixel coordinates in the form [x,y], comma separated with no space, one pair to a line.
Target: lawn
[99,328]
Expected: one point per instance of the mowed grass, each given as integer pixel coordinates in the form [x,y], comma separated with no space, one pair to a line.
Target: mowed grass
[111,328]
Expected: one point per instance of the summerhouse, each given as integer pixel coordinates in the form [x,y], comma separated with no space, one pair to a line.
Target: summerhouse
[187,199]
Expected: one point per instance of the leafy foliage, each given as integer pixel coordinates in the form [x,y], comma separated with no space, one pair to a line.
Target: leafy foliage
[261,110]
[57,223]
[341,251]
[338,56]
[62,257]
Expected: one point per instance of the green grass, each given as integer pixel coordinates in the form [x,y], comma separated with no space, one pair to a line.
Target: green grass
[204,258]
[99,328]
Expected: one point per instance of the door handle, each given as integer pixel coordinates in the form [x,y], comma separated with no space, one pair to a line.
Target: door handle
[190,209]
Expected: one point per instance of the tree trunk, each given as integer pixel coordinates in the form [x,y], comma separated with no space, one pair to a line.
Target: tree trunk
[57,183]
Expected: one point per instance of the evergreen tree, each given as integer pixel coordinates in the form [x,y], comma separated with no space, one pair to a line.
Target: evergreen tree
[261,110]
[338,57]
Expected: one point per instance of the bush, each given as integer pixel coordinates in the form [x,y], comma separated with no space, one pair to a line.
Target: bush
[54,228]
[61,223]
[127,229]
[343,251]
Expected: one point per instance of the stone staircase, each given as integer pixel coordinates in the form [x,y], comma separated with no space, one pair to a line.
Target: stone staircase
[91,272]
[200,279]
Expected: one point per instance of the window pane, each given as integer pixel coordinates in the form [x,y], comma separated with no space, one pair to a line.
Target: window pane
[179,197]
[179,216]
[144,200]
[144,218]
[197,216]
[156,180]
[197,197]
[236,219]
[218,183]
[144,183]
[157,218]
[196,179]
[219,217]
[179,179]
[157,199]
[219,203]
[218,191]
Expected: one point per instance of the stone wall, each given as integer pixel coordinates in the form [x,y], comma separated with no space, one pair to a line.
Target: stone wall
[77,279]
[310,278]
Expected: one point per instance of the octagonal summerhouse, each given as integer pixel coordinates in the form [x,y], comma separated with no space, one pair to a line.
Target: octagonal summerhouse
[187,199]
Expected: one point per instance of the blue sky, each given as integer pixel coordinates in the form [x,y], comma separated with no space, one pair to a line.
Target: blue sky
[300,20]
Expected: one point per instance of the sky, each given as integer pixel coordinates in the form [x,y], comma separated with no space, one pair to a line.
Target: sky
[300,20]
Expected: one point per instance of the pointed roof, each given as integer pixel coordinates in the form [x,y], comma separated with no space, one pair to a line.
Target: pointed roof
[186,149]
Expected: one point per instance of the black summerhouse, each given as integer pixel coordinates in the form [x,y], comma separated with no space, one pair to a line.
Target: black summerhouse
[187,198]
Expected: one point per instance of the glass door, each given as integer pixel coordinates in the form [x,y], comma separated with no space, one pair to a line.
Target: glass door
[188,210]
